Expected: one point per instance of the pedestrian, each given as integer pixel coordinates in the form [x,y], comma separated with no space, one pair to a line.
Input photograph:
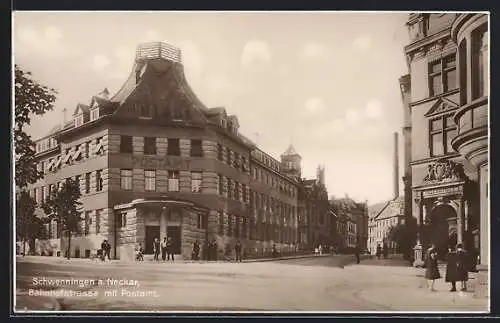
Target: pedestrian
[385,251]
[107,250]
[379,251]
[205,252]
[463,265]
[170,248]
[274,251]
[452,274]
[357,251]
[139,253]
[102,253]
[196,250]
[237,250]
[320,249]
[213,256]
[431,267]
[156,249]
[163,247]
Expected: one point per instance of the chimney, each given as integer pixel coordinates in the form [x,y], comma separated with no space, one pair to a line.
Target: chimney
[396,166]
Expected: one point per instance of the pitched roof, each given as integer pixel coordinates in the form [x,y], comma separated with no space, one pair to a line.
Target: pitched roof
[84,108]
[290,151]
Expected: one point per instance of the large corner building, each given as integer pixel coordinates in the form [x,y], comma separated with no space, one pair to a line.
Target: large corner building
[153,161]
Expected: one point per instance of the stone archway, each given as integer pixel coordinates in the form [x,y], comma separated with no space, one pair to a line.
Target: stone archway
[442,228]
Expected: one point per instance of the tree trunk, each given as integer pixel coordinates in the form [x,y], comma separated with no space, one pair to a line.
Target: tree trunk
[24,245]
[69,245]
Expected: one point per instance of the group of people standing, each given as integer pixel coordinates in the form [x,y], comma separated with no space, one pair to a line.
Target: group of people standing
[165,248]
[457,267]
[105,251]
[209,250]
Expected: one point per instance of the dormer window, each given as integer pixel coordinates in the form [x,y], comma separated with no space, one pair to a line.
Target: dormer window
[94,114]
[79,120]
[223,123]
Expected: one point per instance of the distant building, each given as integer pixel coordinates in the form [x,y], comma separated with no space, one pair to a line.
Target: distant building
[445,97]
[391,215]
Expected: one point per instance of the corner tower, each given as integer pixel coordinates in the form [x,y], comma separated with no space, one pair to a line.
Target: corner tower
[291,161]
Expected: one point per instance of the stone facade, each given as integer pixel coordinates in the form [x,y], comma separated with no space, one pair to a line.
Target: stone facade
[448,58]
[198,169]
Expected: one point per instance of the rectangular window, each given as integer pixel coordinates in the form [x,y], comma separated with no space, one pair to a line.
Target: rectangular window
[125,144]
[173,181]
[98,221]
[441,133]
[229,225]
[79,120]
[201,221]
[244,193]
[442,75]
[221,223]
[229,188]
[121,220]
[196,148]
[77,180]
[196,180]
[88,221]
[150,180]
[220,152]
[220,184]
[236,190]
[126,179]
[99,180]
[149,145]
[173,147]
[87,183]
[228,156]
[94,114]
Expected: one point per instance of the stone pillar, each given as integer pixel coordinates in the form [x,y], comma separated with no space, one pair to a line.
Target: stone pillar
[469,67]
[163,222]
[418,249]
[484,215]
[460,220]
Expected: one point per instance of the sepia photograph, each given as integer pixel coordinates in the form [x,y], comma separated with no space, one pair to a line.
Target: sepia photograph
[250,162]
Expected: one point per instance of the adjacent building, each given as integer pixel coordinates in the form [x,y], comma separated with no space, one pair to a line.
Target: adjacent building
[445,97]
[153,161]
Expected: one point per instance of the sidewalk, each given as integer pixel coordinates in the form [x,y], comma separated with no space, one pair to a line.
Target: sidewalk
[149,259]
[405,290]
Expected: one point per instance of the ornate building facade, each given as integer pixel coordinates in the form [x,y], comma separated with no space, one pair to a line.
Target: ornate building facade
[446,94]
[153,161]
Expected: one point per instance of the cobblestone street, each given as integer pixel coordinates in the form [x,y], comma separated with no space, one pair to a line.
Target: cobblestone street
[291,285]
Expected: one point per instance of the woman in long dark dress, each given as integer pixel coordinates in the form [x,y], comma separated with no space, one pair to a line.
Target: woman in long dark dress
[452,274]
[431,270]
[462,266]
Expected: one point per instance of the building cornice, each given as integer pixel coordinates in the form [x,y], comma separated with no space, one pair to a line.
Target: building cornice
[432,98]
[432,159]
[423,44]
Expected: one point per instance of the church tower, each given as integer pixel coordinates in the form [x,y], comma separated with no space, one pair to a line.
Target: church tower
[291,161]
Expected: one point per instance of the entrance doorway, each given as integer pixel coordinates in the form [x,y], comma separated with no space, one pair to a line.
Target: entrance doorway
[175,233]
[152,232]
[441,235]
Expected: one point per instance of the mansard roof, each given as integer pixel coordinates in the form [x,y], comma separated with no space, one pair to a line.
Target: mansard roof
[157,84]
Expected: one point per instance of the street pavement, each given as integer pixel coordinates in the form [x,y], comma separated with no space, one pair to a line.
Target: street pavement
[306,284]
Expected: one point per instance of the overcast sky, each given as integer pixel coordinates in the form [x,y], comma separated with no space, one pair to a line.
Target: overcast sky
[325,81]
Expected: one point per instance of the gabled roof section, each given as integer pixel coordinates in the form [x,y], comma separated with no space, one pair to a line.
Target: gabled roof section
[441,105]
[158,87]
[81,108]
[393,206]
